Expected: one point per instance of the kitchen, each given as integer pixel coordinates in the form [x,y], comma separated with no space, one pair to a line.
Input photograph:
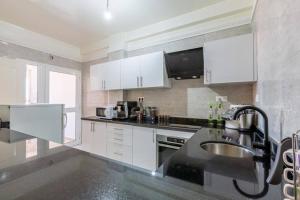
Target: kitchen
[153,103]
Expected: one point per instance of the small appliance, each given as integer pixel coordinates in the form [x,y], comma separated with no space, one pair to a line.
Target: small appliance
[245,119]
[107,112]
[124,109]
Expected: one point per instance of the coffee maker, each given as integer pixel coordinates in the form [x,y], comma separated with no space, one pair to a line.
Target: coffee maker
[124,108]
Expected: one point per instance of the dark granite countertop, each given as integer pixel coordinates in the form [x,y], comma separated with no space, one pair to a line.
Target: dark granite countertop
[66,173]
[176,124]
[233,178]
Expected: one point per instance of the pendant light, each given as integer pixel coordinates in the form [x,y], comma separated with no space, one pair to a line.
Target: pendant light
[107,13]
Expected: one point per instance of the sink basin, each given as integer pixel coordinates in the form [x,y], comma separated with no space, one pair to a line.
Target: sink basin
[225,149]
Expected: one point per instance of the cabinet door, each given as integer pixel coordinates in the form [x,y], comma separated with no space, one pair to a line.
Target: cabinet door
[97,74]
[130,73]
[152,70]
[229,60]
[144,148]
[99,138]
[86,136]
[112,72]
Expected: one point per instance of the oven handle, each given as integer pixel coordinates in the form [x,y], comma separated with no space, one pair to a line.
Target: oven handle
[168,146]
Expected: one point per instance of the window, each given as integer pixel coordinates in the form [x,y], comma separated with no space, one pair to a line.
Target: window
[31,148]
[31,84]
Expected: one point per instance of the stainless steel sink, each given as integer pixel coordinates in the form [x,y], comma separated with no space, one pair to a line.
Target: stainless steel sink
[225,149]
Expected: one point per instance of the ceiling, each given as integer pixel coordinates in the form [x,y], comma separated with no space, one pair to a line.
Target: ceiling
[81,22]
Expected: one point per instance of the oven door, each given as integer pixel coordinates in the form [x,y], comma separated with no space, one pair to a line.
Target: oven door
[165,150]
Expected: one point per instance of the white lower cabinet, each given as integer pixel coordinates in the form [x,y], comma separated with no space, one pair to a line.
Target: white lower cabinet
[144,148]
[120,152]
[94,138]
[119,142]
[129,144]
[99,139]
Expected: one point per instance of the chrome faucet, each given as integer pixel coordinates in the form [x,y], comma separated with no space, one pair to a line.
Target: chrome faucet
[266,144]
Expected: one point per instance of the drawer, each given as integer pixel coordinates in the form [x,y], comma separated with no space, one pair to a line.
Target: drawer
[120,134]
[120,152]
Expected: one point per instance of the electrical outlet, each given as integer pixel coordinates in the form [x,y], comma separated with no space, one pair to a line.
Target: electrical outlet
[221,98]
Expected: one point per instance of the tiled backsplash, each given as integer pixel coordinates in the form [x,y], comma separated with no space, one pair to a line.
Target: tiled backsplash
[191,98]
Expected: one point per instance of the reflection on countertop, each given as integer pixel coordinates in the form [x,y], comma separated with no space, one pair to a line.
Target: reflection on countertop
[175,123]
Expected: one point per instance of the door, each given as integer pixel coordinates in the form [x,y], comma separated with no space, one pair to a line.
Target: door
[152,70]
[112,72]
[63,86]
[144,148]
[99,138]
[130,73]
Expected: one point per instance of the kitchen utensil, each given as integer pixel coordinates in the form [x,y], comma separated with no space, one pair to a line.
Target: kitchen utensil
[232,124]
[288,155]
[288,189]
[275,176]
[287,177]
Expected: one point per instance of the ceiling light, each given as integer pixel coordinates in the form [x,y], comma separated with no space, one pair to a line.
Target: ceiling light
[107,13]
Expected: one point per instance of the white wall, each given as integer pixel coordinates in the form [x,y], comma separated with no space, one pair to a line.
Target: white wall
[277,33]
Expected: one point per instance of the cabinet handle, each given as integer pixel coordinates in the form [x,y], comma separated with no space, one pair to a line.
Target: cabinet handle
[153,136]
[91,126]
[118,129]
[137,81]
[102,84]
[141,81]
[65,120]
[208,76]
[117,153]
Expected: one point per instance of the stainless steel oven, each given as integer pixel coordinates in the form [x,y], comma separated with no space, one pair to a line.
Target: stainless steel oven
[166,146]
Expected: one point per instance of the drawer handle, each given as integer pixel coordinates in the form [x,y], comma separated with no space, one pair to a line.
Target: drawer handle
[117,153]
[120,134]
[118,139]
[118,129]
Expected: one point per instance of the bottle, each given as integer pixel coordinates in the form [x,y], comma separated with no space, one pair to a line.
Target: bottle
[220,110]
[211,114]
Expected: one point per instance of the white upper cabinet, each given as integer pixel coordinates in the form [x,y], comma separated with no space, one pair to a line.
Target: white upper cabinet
[229,60]
[130,73]
[153,71]
[144,71]
[112,73]
[106,76]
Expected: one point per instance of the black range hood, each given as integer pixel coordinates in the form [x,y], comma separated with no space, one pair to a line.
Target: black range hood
[186,64]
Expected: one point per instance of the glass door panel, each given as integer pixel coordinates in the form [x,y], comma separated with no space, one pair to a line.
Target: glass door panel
[64,88]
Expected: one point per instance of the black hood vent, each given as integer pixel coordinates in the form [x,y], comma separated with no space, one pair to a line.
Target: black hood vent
[186,64]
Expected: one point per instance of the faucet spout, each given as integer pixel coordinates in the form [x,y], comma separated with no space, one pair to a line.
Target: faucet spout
[266,144]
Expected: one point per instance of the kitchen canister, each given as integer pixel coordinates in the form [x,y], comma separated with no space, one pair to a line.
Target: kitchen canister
[291,174]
